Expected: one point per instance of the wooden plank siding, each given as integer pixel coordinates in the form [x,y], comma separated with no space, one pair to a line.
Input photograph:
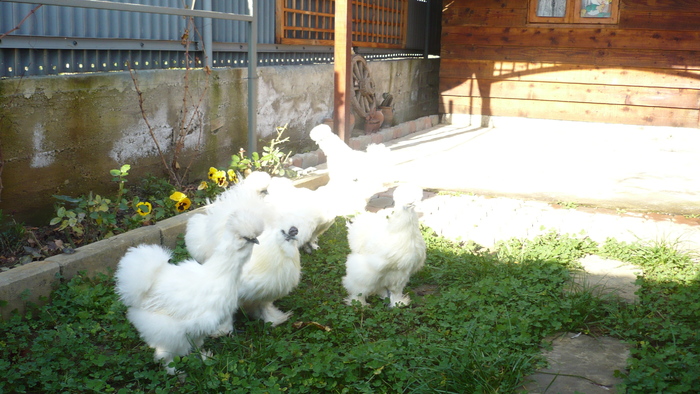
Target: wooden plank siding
[644,70]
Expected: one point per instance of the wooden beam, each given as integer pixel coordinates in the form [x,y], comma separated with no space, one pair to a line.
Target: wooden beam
[570,92]
[570,73]
[591,112]
[342,69]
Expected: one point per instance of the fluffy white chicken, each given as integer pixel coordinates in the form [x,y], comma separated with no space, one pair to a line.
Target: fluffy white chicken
[272,272]
[386,249]
[174,307]
[204,231]
[355,176]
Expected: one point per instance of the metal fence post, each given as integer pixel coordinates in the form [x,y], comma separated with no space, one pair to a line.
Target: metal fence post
[252,77]
[207,40]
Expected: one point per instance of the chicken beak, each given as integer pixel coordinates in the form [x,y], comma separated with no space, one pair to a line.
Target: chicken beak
[291,235]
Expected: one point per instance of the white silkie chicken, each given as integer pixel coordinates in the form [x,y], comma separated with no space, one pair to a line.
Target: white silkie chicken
[386,249]
[272,272]
[174,307]
[311,211]
[204,231]
[354,176]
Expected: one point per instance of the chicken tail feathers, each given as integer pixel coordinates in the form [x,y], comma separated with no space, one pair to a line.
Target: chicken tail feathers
[136,272]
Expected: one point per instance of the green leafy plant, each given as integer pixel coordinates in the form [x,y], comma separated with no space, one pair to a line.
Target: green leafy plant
[12,234]
[119,176]
[94,217]
[271,161]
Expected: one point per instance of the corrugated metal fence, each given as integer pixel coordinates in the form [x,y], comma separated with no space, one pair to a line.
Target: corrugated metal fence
[57,39]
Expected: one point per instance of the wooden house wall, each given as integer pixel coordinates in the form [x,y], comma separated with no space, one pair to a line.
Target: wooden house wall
[643,71]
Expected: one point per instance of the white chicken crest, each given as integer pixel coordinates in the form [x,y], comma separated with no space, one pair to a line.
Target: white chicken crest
[311,211]
[205,231]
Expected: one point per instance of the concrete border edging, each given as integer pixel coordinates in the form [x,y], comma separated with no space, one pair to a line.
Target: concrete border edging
[34,282]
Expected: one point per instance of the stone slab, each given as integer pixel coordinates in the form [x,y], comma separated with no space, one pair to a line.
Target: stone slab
[103,256]
[610,276]
[32,282]
[579,363]
[313,181]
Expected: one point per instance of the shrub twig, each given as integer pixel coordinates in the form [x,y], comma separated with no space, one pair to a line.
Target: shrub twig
[171,173]
[21,22]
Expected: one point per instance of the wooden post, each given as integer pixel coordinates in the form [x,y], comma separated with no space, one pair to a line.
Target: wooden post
[343,69]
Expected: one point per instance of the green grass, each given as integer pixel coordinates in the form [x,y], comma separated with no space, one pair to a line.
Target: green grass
[477,329]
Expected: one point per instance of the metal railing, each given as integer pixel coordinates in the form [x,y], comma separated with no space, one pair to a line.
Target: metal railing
[250,19]
[97,36]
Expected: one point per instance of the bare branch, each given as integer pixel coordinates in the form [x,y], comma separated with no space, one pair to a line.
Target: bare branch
[172,174]
[22,21]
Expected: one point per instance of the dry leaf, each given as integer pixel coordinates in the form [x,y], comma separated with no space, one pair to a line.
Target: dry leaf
[301,324]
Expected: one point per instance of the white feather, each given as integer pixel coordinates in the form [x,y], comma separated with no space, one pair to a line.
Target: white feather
[386,249]
[205,231]
[354,176]
[311,211]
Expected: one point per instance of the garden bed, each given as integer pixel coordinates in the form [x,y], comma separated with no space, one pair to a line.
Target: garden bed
[34,281]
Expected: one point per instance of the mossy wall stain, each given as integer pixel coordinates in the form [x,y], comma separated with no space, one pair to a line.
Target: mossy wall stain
[228,95]
[60,134]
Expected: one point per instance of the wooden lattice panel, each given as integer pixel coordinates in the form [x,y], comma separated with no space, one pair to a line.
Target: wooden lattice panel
[376,23]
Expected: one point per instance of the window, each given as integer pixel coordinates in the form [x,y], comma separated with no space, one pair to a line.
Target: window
[574,11]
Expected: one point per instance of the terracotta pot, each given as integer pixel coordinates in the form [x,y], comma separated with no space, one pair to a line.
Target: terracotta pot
[388,113]
[329,121]
[373,121]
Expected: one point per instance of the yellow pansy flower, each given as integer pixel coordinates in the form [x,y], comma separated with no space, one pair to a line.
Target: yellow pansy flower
[183,203]
[144,208]
[177,196]
[203,185]
[212,172]
[220,178]
[232,177]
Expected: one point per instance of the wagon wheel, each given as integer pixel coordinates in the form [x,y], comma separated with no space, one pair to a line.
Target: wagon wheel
[363,98]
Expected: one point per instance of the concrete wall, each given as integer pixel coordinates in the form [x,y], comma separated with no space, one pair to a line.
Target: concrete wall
[62,135]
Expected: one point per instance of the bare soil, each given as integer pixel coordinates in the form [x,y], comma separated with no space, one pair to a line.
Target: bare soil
[38,243]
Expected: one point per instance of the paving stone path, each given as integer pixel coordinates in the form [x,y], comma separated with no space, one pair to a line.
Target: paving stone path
[578,363]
